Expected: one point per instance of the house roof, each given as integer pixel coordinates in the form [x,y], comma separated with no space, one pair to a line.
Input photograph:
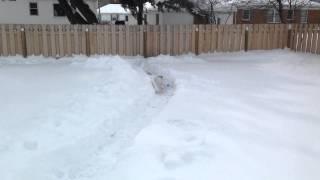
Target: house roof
[114,9]
[118,9]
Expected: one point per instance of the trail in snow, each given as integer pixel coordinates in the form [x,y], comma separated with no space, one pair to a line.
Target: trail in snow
[236,116]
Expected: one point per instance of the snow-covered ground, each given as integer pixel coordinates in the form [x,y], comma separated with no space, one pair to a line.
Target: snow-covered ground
[236,116]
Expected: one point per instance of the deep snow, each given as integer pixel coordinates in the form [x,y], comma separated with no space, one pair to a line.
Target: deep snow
[231,116]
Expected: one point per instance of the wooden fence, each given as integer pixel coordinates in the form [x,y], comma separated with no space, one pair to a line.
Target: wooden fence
[68,40]
[305,38]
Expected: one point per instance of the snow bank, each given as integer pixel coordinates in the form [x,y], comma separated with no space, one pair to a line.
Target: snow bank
[59,119]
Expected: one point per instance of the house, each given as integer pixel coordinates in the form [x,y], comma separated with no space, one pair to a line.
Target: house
[223,15]
[115,14]
[256,13]
[156,17]
[35,11]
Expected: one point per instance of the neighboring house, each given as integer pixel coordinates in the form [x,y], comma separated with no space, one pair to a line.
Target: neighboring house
[260,14]
[155,17]
[35,12]
[115,14]
[223,15]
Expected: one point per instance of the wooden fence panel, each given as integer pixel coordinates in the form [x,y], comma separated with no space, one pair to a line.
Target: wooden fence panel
[318,39]
[193,37]
[237,43]
[294,37]
[151,40]
[156,36]
[276,38]
[17,40]
[314,39]
[297,42]
[268,36]
[309,37]
[11,42]
[282,36]
[303,38]
[1,40]
[252,36]
[317,31]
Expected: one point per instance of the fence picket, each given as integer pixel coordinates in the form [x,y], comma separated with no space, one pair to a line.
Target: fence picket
[318,39]
[4,40]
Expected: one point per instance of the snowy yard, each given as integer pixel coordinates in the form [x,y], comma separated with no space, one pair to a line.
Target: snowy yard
[237,116]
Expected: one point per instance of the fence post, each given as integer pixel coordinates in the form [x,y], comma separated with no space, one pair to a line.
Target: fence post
[145,41]
[24,42]
[87,42]
[197,40]
[289,36]
[246,39]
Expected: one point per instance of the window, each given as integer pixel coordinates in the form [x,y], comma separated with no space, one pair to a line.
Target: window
[145,20]
[121,17]
[33,6]
[273,16]
[58,11]
[246,14]
[290,14]
[114,17]
[304,16]
[106,17]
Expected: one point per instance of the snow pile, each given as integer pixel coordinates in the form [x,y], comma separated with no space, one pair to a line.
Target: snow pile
[65,119]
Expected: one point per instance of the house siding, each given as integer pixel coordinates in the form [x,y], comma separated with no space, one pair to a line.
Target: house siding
[314,17]
[259,16]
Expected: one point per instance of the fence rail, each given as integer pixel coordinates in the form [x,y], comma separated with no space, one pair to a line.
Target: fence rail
[68,40]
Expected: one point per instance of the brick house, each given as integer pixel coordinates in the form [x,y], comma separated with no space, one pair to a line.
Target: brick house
[259,14]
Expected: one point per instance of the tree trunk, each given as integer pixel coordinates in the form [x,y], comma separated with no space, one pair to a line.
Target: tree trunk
[212,15]
[280,11]
[68,10]
[140,13]
[85,11]
[74,17]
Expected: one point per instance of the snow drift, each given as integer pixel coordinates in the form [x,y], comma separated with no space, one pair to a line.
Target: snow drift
[60,118]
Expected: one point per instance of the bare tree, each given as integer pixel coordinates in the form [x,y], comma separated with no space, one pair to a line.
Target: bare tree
[206,9]
[290,5]
[210,9]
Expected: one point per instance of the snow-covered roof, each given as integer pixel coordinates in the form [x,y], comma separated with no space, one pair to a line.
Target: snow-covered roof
[149,6]
[114,9]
